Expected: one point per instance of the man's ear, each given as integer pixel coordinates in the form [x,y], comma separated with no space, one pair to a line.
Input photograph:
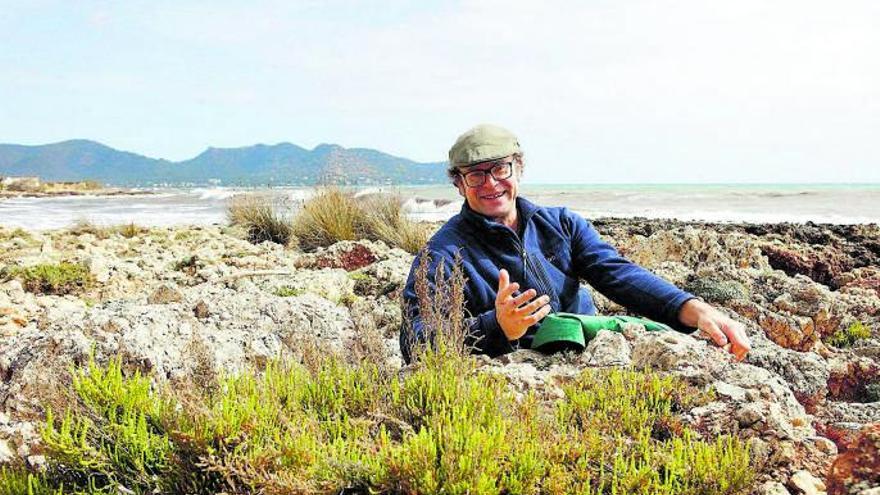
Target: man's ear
[459,184]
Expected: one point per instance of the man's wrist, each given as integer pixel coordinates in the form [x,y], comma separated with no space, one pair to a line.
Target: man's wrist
[690,312]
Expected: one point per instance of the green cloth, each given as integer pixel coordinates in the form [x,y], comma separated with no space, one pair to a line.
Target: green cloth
[572,331]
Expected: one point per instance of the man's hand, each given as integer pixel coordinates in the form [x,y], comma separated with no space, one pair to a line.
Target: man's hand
[516,314]
[724,331]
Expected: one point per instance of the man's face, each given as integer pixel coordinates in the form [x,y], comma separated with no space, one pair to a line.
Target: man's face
[495,198]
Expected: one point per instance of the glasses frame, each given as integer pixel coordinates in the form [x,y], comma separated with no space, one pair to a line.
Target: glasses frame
[486,173]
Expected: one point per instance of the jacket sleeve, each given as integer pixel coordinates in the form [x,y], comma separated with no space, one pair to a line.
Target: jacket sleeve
[484,335]
[623,281]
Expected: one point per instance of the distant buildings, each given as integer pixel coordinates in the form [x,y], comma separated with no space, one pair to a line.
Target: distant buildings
[23,183]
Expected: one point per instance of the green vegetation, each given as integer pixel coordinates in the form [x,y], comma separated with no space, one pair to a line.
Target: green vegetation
[359,276]
[849,336]
[17,233]
[444,428]
[130,230]
[288,291]
[261,218]
[720,291]
[63,278]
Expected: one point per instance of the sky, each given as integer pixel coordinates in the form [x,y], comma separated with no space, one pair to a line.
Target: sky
[606,91]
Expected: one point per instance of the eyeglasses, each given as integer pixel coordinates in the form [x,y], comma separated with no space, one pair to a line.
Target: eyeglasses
[499,171]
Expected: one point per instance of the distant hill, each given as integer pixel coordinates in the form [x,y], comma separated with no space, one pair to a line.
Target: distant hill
[280,164]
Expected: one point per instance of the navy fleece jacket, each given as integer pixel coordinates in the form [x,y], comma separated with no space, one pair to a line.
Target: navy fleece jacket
[556,250]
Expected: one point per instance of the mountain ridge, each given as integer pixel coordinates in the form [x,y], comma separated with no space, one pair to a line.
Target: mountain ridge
[282,163]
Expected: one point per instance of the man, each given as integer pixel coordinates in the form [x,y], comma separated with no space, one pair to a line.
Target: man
[524,261]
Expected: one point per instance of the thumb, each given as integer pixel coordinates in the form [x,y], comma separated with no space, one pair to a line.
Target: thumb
[711,329]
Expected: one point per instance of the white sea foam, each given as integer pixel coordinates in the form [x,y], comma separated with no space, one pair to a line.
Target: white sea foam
[821,204]
[215,193]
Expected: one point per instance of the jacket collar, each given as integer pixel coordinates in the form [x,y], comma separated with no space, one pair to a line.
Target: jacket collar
[525,210]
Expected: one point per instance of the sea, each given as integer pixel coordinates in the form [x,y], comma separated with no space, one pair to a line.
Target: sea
[752,203]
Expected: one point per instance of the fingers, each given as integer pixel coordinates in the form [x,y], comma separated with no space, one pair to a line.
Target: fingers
[524,297]
[533,306]
[537,316]
[503,280]
[710,328]
[740,345]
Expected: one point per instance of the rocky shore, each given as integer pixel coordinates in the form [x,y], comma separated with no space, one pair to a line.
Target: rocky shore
[187,302]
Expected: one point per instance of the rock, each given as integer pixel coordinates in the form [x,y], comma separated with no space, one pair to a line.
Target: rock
[804,482]
[200,310]
[666,351]
[760,451]
[805,372]
[37,462]
[824,445]
[749,415]
[99,267]
[772,488]
[858,468]
[6,454]
[165,294]
[606,349]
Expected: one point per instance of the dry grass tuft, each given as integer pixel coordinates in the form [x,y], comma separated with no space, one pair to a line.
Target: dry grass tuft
[262,218]
[329,217]
[385,220]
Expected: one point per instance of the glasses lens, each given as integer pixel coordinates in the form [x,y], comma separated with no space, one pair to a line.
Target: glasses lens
[475,179]
[502,171]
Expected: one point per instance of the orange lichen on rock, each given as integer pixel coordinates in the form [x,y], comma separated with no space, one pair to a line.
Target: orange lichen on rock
[859,468]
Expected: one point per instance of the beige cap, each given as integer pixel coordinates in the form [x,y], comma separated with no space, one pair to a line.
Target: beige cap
[482,143]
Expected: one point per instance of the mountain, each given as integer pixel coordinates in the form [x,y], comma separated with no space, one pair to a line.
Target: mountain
[260,164]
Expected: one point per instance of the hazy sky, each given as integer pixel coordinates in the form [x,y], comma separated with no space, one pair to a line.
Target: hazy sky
[598,91]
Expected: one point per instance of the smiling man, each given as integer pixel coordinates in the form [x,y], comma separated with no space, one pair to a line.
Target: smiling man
[523,261]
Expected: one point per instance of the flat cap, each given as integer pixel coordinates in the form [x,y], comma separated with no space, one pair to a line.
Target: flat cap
[482,143]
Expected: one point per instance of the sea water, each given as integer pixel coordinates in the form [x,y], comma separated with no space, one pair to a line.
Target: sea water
[819,203]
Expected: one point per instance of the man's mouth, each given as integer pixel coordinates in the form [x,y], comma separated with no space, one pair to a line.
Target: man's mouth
[493,196]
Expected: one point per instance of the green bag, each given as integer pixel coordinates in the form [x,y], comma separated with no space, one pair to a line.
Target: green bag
[569,331]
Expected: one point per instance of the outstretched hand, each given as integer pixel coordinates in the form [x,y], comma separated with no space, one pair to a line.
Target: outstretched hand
[516,314]
[723,330]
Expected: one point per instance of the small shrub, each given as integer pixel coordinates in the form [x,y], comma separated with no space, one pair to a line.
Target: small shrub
[83,226]
[850,335]
[360,277]
[261,217]
[188,264]
[441,307]
[130,230]
[288,291]
[63,278]
[183,235]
